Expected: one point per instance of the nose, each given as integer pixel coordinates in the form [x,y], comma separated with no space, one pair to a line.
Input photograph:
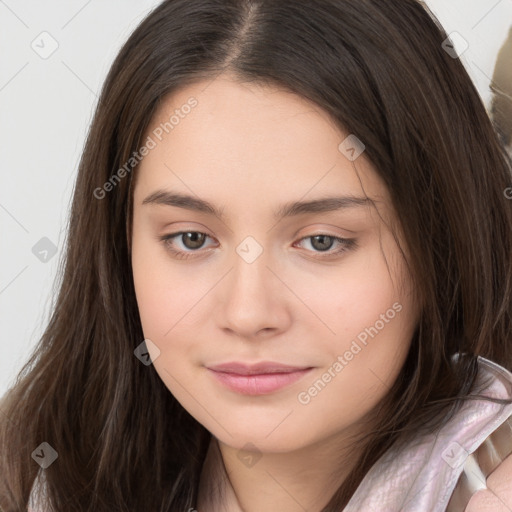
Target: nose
[253,301]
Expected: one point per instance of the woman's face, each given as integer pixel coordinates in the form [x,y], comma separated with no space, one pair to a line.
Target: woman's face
[280,260]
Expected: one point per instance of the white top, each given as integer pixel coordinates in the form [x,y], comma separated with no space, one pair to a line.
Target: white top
[434,473]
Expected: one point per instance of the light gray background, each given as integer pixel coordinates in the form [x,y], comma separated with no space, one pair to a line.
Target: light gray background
[46,105]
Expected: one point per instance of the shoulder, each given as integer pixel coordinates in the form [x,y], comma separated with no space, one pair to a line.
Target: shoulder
[498,495]
[493,457]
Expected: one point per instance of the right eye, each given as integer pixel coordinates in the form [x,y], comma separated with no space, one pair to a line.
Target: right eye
[188,242]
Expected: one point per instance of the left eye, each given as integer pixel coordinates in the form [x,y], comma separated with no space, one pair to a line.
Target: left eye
[192,241]
[322,243]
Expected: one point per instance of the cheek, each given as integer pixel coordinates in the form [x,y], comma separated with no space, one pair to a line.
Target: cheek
[165,298]
[359,296]
[152,289]
[374,317]
[164,291]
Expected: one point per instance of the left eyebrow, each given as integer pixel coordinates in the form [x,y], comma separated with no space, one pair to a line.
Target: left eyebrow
[294,208]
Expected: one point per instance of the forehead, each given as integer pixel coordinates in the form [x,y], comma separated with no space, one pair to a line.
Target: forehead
[230,138]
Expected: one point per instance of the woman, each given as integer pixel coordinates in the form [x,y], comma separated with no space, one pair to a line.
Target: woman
[296,211]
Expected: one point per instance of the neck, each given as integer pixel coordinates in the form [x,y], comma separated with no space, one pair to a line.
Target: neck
[234,480]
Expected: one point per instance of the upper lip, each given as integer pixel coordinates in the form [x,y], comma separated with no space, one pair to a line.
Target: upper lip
[256,368]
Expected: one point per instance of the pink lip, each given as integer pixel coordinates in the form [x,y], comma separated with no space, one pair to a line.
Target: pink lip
[257,379]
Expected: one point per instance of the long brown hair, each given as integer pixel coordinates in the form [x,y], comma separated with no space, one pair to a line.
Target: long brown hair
[381,71]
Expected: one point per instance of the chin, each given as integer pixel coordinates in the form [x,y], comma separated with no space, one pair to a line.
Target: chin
[267,439]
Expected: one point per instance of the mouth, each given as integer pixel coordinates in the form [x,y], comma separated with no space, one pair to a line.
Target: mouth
[257,379]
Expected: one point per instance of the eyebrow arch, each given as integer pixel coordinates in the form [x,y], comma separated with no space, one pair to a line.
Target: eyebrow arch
[327,204]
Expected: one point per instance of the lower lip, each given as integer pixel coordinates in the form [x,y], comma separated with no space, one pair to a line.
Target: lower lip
[261,384]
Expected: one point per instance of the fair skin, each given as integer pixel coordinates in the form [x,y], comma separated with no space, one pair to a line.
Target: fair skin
[248,150]
[498,495]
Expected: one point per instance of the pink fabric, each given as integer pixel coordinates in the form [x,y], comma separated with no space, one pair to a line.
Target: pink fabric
[422,477]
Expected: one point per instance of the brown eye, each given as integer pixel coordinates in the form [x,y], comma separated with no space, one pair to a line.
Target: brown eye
[186,244]
[327,245]
[322,242]
[193,239]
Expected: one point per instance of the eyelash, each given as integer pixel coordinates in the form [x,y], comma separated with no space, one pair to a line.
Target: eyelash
[346,244]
